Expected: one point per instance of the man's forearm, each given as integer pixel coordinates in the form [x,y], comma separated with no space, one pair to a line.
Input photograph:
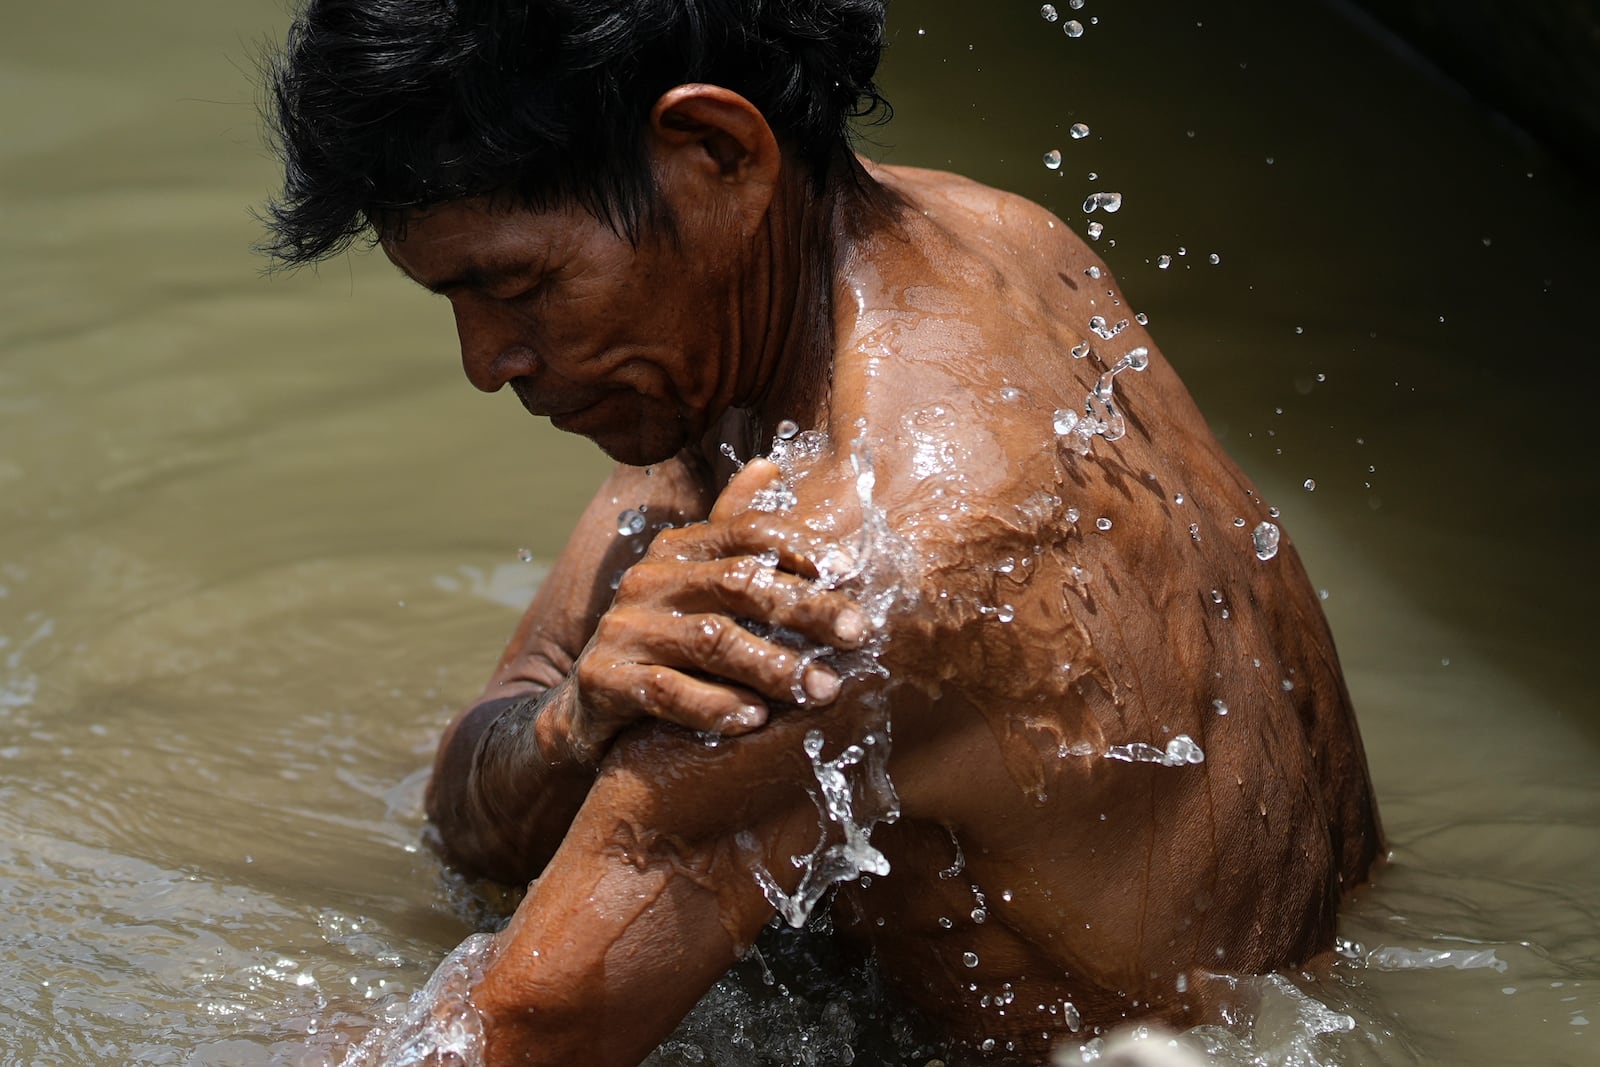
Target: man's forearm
[499,801]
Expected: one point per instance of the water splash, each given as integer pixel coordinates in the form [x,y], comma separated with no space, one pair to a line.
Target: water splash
[440,1027]
[1100,416]
[1395,958]
[855,806]
[854,791]
[1180,752]
[631,523]
[1265,538]
[1290,1028]
[1110,203]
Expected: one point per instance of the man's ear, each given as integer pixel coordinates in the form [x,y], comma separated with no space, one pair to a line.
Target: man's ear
[714,146]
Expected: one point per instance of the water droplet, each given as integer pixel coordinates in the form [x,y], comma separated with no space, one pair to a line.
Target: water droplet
[1005,895]
[1220,707]
[1111,203]
[1273,511]
[1287,685]
[1216,596]
[1177,498]
[1065,420]
[1072,515]
[1141,318]
[1102,524]
[1214,259]
[1095,230]
[1311,485]
[1237,521]
[788,429]
[525,555]
[1048,13]
[1080,350]
[1072,28]
[1194,531]
[969,958]
[1079,131]
[630,523]
[1077,5]
[1299,329]
[1092,271]
[1010,393]
[1163,262]
[1322,594]
[1052,159]
[945,922]
[1265,538]
[1137,359]
[980,916]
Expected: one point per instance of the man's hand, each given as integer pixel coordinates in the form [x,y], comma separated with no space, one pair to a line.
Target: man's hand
[719,622]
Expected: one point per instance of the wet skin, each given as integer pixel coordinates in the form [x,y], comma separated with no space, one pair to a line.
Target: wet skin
[928,325]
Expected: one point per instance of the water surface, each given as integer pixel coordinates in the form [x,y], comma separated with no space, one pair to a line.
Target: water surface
[258,537]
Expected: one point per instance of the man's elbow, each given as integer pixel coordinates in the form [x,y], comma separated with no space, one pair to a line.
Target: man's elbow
[464,831]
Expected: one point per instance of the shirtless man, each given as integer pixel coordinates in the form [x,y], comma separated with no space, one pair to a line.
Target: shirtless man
[998,546]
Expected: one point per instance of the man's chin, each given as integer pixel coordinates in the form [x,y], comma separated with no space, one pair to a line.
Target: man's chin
[631,451]
[637,445]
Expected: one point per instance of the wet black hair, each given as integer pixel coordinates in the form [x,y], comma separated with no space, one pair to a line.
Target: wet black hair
[378,108]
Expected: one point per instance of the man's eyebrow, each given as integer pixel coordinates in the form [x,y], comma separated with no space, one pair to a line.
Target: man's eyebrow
[474,276]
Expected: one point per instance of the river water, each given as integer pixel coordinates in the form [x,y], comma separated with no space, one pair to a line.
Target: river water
[258,537]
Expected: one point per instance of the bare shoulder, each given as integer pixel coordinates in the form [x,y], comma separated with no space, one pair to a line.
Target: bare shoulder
[970,211]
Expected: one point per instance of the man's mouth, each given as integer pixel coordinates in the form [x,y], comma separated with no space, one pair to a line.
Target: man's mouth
[541,406]
[563,413]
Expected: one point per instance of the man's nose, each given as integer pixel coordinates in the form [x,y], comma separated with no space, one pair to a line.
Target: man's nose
[492,351]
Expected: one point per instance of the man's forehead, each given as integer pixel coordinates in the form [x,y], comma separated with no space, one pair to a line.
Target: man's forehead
[464,243]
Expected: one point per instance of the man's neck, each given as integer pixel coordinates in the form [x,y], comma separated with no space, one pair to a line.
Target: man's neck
[788,379]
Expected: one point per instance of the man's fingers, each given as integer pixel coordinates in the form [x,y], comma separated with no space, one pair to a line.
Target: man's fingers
[719,646]
[672,696]
[742,489]
[711,644]
[784,544]
[751,588]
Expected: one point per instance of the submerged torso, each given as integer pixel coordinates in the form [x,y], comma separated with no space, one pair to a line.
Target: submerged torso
[1123,747]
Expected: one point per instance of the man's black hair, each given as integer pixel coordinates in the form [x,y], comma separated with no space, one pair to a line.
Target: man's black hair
[381,107]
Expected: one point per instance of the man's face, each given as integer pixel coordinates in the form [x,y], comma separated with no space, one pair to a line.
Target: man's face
[624,345]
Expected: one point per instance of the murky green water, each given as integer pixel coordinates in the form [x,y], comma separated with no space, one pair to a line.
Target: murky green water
[258,537]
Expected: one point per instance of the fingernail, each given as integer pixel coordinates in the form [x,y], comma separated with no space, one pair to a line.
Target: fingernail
[821,684]
[746,718]
[850,626]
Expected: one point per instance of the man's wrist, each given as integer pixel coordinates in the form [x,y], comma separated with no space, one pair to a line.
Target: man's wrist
[553,728]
